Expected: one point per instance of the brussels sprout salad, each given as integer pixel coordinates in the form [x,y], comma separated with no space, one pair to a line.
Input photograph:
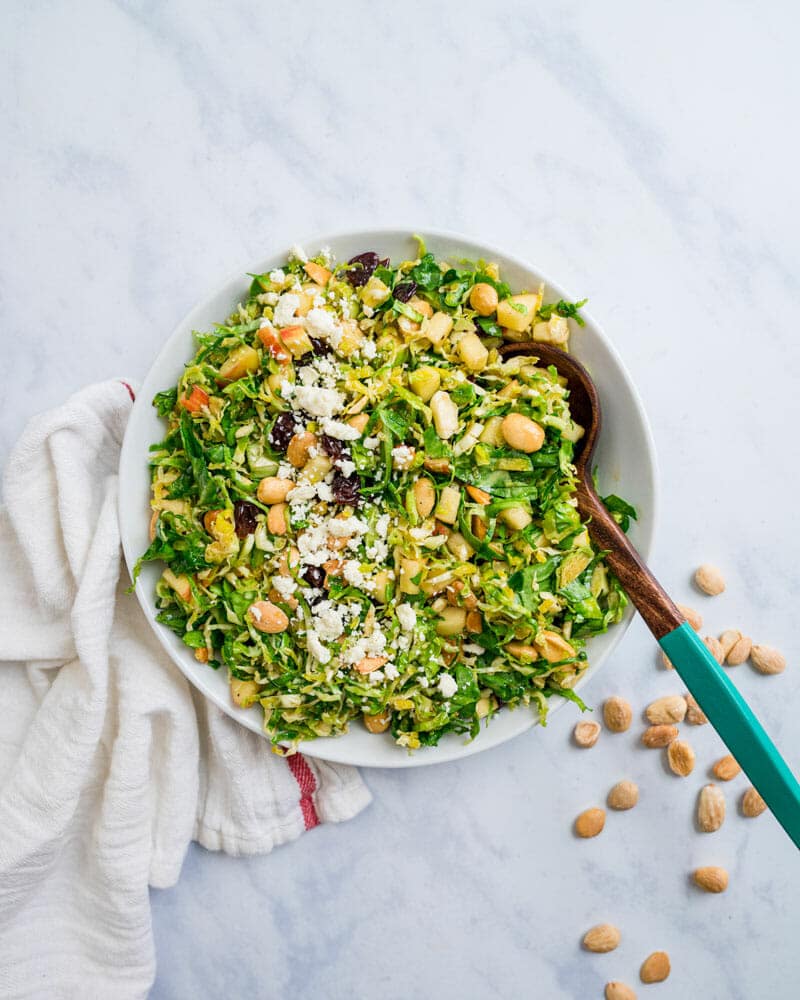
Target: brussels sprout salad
[366,513]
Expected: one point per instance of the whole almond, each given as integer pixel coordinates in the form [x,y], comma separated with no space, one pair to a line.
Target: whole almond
[617,714]
[681,758]
[726,768]
[709,579]
[728,640]
[590,822]
[714,647]
[695,715]
[585,734]
[668,665]
[710,808]
[659,736]
[624,795]
[602,938]
[752,803]
[711,878]
[694,618]
[616,990]
[767,660]
[739,652]
[655,968]
[663,711]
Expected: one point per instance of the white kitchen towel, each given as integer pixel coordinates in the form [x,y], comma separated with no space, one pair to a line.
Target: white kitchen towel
[110,762]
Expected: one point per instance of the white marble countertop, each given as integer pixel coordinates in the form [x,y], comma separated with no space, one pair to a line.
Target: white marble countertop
[643,155]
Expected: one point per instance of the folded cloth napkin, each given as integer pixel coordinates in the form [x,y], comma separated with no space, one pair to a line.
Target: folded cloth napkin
[110,762]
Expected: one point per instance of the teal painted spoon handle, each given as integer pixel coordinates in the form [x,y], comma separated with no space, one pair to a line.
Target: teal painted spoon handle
[711,687]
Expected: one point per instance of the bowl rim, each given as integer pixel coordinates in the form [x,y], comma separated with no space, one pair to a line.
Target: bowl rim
[328,749]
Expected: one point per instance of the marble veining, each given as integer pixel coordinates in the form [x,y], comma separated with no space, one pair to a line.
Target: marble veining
[645,156]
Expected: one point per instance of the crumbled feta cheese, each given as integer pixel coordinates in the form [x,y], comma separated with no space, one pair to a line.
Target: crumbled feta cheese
[368,310]
[375,676]
[369,350]
[391,672]
[339,429]
[323,324]
[382,525]
[423,681]
[343,527]
[318,402]
[351,571]
[286,471]
[407,617]
[402,456]
[324,492]
[371,443]
[269,298]
[298,253]
[285,586]
[315,647]
[277,277]
[346,466]
[302,493]
[285,310]
[327,620]
[447,685]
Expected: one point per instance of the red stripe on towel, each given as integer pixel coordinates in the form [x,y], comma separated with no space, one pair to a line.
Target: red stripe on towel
[307,784]
[131,393]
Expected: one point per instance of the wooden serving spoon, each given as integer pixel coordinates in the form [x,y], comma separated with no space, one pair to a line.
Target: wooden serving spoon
[727,711]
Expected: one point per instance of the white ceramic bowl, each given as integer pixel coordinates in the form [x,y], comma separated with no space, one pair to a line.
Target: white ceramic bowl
[625,456]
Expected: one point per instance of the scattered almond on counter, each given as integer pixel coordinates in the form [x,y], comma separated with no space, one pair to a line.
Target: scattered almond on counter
[586,734]
[752,803]
[728,640]
[695,715]
[715,648]
[656,737]
[590,822]
[709,579]
[726,768]
[740,651]
[655,968]
[767,660]
[664,711]
[601,939]
[624,795]
[710,808]
[681,758]
[617,714]
[694,618]
[616,990]
[711,878]
[668,665]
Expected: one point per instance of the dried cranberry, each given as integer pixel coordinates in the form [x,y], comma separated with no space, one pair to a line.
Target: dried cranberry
[244,518]
[346,489]
[320,346]
[365,265]
[282,431]
[404,291]
[314,576]
[332,447]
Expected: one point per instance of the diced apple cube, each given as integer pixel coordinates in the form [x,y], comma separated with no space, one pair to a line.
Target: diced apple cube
[437,327]
[516,313]
[472,352]
[449,502]
[297,340]
[317,272]
[240,362]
